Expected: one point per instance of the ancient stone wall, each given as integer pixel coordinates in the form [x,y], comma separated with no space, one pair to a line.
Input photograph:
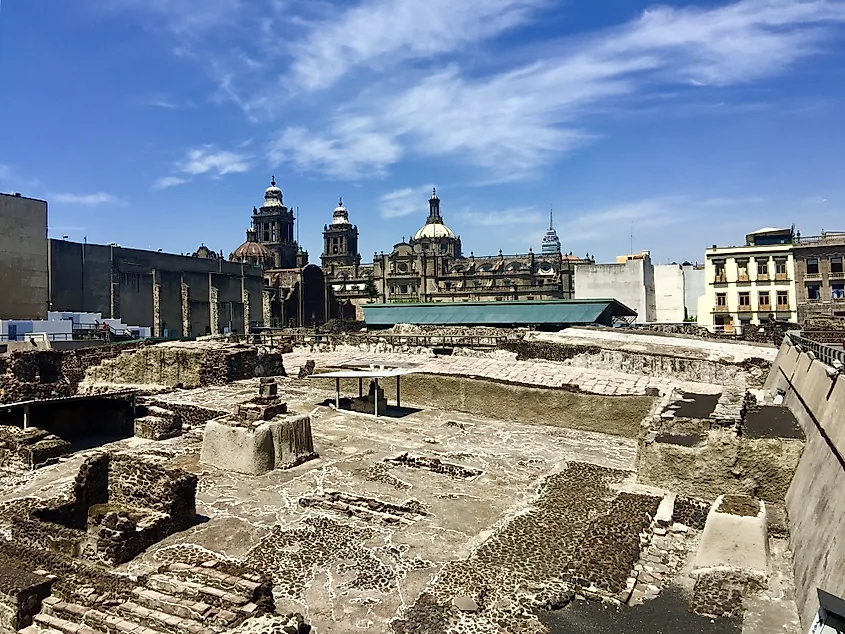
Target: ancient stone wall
[733,446]
[749,372]
[119,506]
[21,593]
[186,364]
[815,506]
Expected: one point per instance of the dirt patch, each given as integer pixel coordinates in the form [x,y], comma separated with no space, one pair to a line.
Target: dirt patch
[694,405]
[684,440]
[739,505]
[771,421]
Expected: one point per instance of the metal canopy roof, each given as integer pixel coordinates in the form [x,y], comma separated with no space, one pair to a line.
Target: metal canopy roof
[360,374]
[520,313]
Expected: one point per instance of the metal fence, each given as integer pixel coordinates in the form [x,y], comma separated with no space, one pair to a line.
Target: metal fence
[826,354]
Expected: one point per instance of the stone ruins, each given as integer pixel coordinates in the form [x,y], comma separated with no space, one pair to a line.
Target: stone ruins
[531,482]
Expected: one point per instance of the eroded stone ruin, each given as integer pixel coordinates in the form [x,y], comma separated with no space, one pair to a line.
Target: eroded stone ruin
[545,480]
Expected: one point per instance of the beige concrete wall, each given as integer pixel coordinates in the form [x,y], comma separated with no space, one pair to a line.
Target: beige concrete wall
[816,499]
[617,415]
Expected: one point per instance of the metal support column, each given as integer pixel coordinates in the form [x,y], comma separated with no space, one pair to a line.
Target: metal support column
[25,416]
[398,403]
[360,387]
[376,398]
[337,396]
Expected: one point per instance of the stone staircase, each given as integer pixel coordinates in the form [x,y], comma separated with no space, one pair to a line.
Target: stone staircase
[178,599]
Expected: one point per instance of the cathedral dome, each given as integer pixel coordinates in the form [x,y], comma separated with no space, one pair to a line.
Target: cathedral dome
[253,252]
[341,215]
[433,230]
[273,195]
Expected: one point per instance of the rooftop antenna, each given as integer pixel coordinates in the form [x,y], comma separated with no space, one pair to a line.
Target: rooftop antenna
[632,239]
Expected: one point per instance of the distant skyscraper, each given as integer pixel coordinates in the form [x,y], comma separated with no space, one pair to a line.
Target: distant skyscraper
[551,243]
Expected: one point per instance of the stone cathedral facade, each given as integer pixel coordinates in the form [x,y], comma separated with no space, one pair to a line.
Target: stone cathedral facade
[431,267]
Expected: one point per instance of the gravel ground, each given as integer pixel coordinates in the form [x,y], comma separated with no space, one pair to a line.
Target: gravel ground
[667,614]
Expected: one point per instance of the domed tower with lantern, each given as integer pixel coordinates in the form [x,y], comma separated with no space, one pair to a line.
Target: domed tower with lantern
[273,228]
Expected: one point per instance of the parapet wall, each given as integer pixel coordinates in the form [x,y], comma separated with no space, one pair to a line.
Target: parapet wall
[815,504]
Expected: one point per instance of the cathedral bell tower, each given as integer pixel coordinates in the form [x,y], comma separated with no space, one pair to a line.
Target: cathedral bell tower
[340,241]
[273,224]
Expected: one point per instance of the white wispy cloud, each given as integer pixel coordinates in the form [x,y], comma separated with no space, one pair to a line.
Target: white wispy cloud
[413,78]
[168,181]
[384,33]
[184,18]
[162,101]
[405,201]
[99,198]
[505,217]
[205,159]
[355,150]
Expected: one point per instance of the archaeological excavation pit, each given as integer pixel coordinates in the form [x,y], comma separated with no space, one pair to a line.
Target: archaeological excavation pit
[515,494]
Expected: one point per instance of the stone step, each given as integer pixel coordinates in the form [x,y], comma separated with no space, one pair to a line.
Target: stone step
[208,575]
[161,621]
[48,623]
[200,592]
[178,606]
[73,618]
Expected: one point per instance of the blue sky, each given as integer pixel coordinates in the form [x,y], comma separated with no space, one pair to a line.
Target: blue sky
[158,123]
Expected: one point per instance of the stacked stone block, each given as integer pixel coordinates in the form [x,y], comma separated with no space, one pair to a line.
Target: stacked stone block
[29,448]
[157,423]
[119,506]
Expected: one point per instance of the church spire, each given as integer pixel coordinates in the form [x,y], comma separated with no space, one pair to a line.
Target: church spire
[551,222]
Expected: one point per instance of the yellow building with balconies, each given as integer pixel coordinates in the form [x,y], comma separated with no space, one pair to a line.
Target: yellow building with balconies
[745,284]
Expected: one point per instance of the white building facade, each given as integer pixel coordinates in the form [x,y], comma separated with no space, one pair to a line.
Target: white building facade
[746,284]
[629,281]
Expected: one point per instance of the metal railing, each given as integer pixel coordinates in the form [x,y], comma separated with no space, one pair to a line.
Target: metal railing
[50,336]
[825,353]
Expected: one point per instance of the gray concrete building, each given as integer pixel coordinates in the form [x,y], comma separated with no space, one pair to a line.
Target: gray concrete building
[23,257]
[183,295]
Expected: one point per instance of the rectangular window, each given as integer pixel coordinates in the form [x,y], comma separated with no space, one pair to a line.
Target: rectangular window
[837,291]
[762,267]
[721,299]
[813,266]
[814,291]
[780,267]
[720,272]
[763,300]
[836,265]
[742,270]
[403,289]
[783,300]
[745,300]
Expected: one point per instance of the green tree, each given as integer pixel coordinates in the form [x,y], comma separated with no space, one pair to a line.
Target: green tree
[370,288]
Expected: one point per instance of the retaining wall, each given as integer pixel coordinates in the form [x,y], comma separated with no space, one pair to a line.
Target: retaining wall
[815,502]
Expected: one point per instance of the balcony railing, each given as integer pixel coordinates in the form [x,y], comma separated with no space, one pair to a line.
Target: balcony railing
[813,276]
[743,279]
[781,277]
[720,279]
[828,237]
[722,309]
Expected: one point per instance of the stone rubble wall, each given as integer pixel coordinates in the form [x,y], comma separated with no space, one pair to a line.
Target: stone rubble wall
[29,448]
[711,456]
[121,488]
[187,365]
[815,505]
[749,372]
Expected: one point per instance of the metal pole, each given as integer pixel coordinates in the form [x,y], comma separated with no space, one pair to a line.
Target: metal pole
[376,398]
[25,416]
[398,404]
[360,387]
[337,387]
